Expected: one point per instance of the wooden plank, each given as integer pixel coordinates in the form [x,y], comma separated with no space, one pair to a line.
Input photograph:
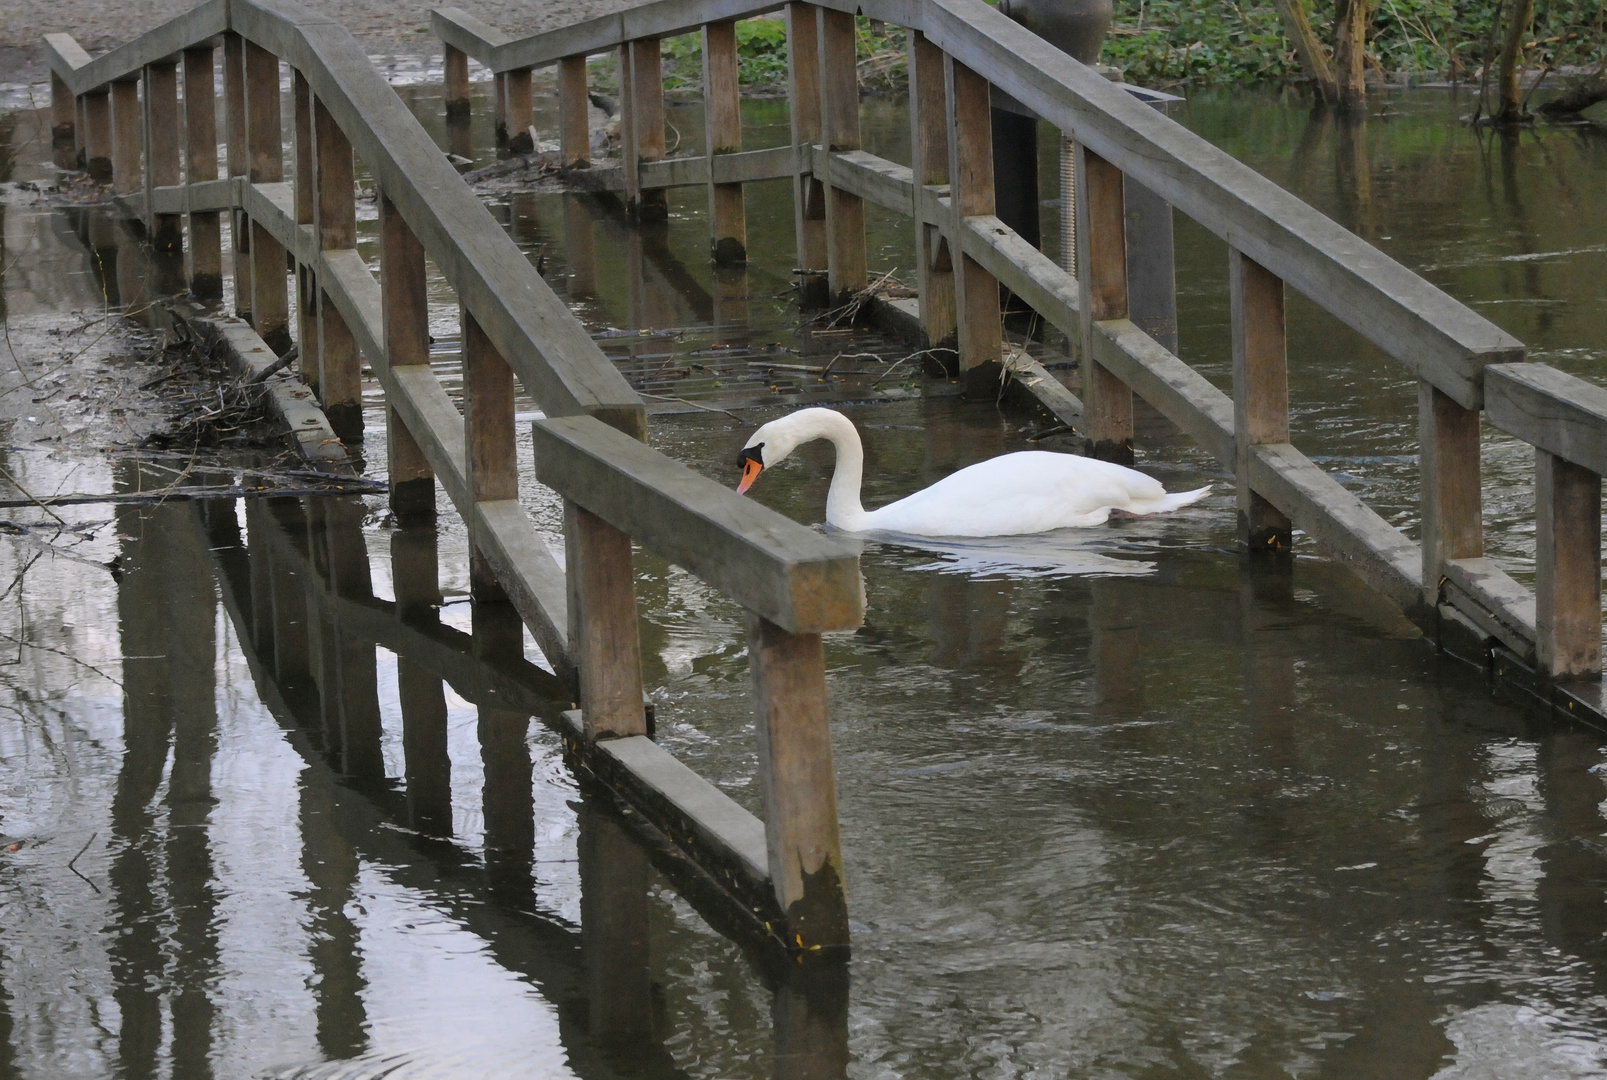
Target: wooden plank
[740,168]
[521,115]
[728,236]
[1453,508]
[335,221]
[1025,271]
[490,450]
[979,329]
[603,639]
[162,146]
[1260,393]
[467,34]
[1151,263]
[1556,412]
[929,142]
[83,74]
[98,136]
[1499,607]
[839,119]
[128,136]
[270,297]
[238,157]
[800,787]
[304,181]
[1181,394]
[768,563]
[574,123]
[665,18]
[644,115]
[455,65]
[808,193]
[204,255]
[1567,567]
[1102,250]
[407,345]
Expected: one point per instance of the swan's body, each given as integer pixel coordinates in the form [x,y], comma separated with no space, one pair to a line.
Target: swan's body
[1026,492]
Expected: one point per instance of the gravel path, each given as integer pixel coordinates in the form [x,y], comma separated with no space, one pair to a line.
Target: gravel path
[384,27]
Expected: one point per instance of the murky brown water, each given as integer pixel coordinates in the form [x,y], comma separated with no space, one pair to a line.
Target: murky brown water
[1114,803]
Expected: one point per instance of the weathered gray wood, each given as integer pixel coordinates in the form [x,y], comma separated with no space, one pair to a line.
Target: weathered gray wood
[455,64]
[83,74]
[603,639]
[1492,601]
[467,33]
[980,333]
[1453,507]
[270,296]
[644,116]
[839,118]
[1181,394]
[335,221]
[162,143]
[98,136]
[800,785]
[1151,266]
[1567,567]
[1559,413]
[407,344]
[63,114]
[304,177]
[1102,251]
[491,454]
[665,18]
[521,114]
[739,168]
[238,158]
[929,143]
[1260,393]
[722,125]
[128,136]
[204,254]
[768,563]
[808,192]
[574,123]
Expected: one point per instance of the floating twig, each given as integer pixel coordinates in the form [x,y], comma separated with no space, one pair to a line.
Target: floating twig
[75,858]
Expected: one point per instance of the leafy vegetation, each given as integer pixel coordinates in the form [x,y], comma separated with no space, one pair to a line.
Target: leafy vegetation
[762,55]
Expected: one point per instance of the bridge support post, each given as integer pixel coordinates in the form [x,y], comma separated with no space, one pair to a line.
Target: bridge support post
[162,146]
[127,137]
[722,96]
[270,296]
[488,431]
[63,114]
[929,142]
[98,135]
[604,642]
[800,785]
[305,177]
[204,256]
[976,292]
[456,63]
[1453,507]
[335,221]
[415,570]
[1102,282]
[521,116]
[1567,567]
[641,127]
[234,94]
[405,300]
[839,115]
[1260,393]
[574,124]
[808,193]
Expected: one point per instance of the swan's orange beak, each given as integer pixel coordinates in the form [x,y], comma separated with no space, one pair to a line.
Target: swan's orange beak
[751,468]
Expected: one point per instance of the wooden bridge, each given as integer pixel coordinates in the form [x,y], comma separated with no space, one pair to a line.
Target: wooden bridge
[125,115]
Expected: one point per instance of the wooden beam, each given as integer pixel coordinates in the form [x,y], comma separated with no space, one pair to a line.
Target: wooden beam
[603,639]
[1556,412]
[1102,251]
[1453,508]
[491,454]
[162,151]
[839,117]
[722,97]
[335,222]
[808,193]
[643,117]
[63,119]
[239,156]
[1260,393]
[574,113]
[127,138]
[456,64]
[270,296]
[980,331]
[929,142]
[521,116]
[407,345]
[98,135]
[204,256]
[1567,568]
[304,176]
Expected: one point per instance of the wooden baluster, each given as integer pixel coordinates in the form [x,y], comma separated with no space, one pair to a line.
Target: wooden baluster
[204,258]
[800,786]
[1453,505]
[980,331]
[335,213]
[1151,264]
[839,112]
[405,300]
[642,124]
[80,133]
[521,116]
[270,294]
[239,156]
[456,63]
[162,144]
[808,193]
[604,642]
[127,137]
[98,135]
[1260,392]
[488,438]
[305,178]
[929,141]
[722,96]
[574,124]
[499,87]
[63,114]
[1102,257]
[1567,567]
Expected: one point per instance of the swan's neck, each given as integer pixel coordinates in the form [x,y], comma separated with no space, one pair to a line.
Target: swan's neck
[843,510]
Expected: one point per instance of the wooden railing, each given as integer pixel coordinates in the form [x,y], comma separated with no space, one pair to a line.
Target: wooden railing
[159,149]
[962,54]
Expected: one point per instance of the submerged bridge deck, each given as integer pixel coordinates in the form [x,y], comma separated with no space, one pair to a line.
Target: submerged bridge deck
[125,114]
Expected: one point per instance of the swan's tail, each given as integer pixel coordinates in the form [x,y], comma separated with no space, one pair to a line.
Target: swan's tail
[1175,501]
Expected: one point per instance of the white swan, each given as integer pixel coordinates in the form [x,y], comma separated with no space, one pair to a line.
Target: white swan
[1029,491]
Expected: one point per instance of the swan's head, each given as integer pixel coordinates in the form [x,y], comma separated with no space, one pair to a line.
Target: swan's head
[775,441]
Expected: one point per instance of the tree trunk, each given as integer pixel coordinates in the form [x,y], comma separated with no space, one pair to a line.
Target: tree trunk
[1350,50]
[1578,97]
[1313,56]
[1512,61]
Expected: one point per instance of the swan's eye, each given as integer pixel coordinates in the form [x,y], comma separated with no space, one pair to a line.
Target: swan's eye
[752,464]
[751,453]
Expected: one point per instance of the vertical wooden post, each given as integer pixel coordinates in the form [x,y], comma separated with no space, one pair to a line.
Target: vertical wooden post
[1102,258]
[407,343]
[499,89]
[521,111]
[980,331]
[1151,264]
[1260,392]
[234,94]
[574,125]
[305,181]
[1567,501]
[80,158]
[808,194]
[335,220]
[929,154]
[1453,505]
[839,117]
[641,124]
[728,228]
[162,144]
[456,62]
[270,296]
[127,137]
[604,642]
[204,258]
[98,135]
[415,574]
[63,110]
[800,786]
[493,468]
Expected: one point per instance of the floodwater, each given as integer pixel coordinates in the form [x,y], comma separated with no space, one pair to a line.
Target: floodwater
[1115,803]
